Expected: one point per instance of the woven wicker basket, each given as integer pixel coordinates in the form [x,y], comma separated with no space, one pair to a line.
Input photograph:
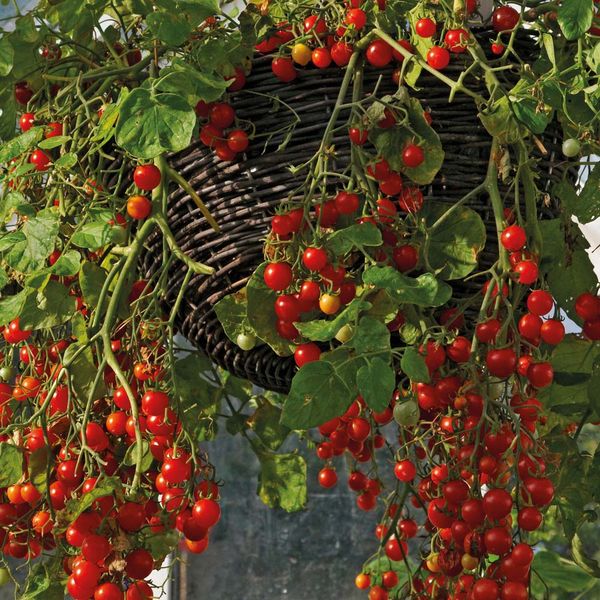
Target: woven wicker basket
[243,195]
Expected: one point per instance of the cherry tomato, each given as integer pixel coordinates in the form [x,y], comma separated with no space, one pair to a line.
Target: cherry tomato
[237,140]
[321,57]
[301,54]
[329,303]
[283,68]
[413,156]
[379,53]
[147,177]
[356,17]
[438,58]
[425,27]
[341,53]
[139,207]
[278,276]
[456,40]
[306,353]
[221,115]
[505,18]
[40,159]
[27,121]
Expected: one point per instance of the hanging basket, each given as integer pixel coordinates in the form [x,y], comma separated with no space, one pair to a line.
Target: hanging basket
[243,195]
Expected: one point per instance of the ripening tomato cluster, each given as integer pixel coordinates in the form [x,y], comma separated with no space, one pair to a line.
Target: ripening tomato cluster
[468,454]
[76,496]
[218,131]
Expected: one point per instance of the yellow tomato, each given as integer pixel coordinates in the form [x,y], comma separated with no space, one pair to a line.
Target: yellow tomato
[329,304]
[301,54]
[469,562]
[432,564]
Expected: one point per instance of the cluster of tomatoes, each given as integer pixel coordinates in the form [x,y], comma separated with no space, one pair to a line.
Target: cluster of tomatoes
[75,447]
[104,548]
[469,456]
[217,130]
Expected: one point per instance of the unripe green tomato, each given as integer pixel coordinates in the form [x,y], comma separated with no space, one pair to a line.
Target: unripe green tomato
[245,342]
[406,413]
[6,373]
[571,147]
[4,576]
[344,334]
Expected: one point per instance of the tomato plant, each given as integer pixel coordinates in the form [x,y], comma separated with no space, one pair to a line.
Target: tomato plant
[430,355]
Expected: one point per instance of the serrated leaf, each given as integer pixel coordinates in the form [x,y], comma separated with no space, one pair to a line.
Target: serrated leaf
[38,467]
[424,290]
[53,306]
[376,381]
[192,83]
[282,481]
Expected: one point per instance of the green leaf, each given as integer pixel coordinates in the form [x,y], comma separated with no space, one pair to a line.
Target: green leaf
[8,117]
[7,55]
[527,111]
[585,205]
[39,236]
[192,83]
[67,264]
[261,313]
[265,423]
[169,27]
[160,544]
[581,558]
[319,393]
[321,330]
[106,126]
[575,17]
[572,276]
[354,237]
[414,366]
[91,282]
[106,486]
[499,121]
[9,202]
[92,235]
[232,312]
[45,581]
[193,384]
[455,245]
[66,161]
[38,467]
[54,142]
[560,572]
[20,144]
[553,243]
[82,372]
[376,381]
[390,143]
[11,464]
[150,124]
[282,481]
[131,460]
[371,336]
[53,306]
[425,290]
[11,306]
